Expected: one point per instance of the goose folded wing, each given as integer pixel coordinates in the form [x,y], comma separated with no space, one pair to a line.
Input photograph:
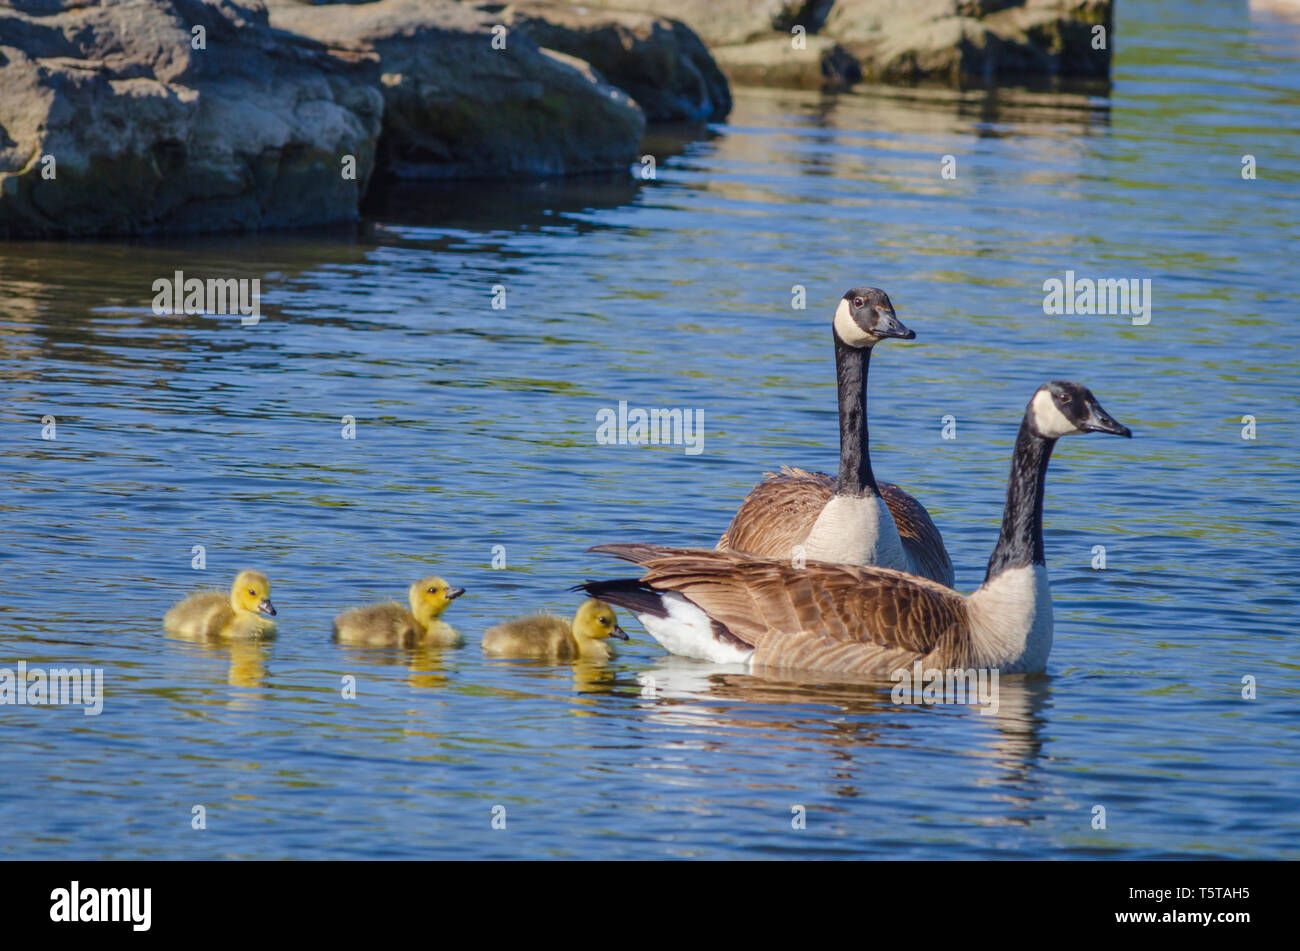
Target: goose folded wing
[919,534]
[778,513]
[761,599]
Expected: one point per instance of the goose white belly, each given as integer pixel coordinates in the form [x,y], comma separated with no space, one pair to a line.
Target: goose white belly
[688,632]
[857,531]
[1011,621]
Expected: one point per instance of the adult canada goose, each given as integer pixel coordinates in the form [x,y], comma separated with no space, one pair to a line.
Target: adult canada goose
[212,614]
[546,635]
[391,625]
[728,607]
[854,519]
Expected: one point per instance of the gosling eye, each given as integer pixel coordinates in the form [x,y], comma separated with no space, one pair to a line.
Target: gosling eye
[603,620]
[857,302]
[433,590]
[252,592]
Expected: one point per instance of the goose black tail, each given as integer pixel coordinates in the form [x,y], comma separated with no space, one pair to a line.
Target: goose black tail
[637,597]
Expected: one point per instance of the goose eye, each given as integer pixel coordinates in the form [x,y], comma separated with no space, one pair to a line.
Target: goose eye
[603,620]
[433,590]
[252,592]
[857,302]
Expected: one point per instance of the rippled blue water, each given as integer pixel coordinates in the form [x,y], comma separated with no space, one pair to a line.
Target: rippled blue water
[476,428]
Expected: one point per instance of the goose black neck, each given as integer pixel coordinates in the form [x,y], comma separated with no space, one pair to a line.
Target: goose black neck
[1021,541]
[855,476]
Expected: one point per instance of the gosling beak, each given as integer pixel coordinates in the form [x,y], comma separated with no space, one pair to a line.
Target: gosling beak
[266,607]
[454,593]
[1100,421]
[619,633]
[890,326]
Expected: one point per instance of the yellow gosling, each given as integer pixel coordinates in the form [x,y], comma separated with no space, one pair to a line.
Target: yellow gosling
[391,625]
[546,635]
[210,614]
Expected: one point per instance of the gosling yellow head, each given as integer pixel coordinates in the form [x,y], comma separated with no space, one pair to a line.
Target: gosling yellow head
[251,593]
[430,597]
[596,621]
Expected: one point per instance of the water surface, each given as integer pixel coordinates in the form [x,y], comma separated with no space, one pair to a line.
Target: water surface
[476,429]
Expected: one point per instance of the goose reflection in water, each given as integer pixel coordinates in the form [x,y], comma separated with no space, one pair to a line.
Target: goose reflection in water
[845,716]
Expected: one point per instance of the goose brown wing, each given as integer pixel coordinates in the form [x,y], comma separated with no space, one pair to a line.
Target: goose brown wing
[806,651]
[921,539]
[763,600]
[778,513]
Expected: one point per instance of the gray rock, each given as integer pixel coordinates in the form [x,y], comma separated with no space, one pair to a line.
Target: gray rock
[901,40]
[147,133]
[897,40]
[821,64]
[810,14]
[455,107]
[659,62]
[144,133]
[725,22]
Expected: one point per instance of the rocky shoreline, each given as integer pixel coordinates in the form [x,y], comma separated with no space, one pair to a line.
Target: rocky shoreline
[844,41]
[122,117]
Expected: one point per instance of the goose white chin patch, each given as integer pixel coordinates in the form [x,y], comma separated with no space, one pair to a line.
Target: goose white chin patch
[848,330]
[1048,418]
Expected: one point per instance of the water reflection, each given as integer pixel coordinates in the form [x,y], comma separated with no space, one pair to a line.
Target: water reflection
[517,206]
[846,715]
[245,658]
[1264,11]
[586,677]
[427,665]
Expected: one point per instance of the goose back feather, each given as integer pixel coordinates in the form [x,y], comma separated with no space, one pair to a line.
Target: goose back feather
[870,619]
[781,510]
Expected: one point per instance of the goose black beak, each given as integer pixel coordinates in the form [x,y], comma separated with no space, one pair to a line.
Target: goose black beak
[266,607]
[454,593]
[1100,421]
[619,633]
[890,326]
